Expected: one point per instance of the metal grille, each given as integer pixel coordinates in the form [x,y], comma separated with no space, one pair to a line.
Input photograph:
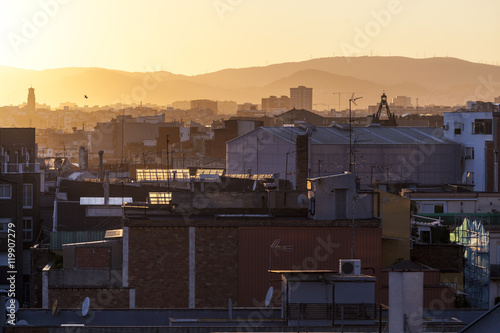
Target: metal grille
[310,311]
[355,311]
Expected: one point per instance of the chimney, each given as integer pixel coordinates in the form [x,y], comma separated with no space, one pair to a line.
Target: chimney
[302,162]
[106,189]
[83,158]
[496,144]
[101,175]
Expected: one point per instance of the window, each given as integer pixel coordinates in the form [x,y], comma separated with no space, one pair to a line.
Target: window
[27,229]
[458,128]
[433,208]
[469,177]
[27,195]
[438,208]
[469,153]
[4,225]
[425,236]
[5,191]
[482,126]
[160,198]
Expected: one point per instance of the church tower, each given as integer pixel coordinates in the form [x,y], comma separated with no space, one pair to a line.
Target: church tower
[31,100]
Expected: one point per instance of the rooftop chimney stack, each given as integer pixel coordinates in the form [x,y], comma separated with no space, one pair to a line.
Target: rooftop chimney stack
[83,158]
[106,189]
[101,175]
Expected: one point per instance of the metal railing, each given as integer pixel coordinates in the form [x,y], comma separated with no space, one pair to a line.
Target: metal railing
[6,168]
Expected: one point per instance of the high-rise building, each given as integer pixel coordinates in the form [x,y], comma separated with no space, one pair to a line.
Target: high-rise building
[301,98]
[204,104]
[273,104]
[31,100]
[401,101]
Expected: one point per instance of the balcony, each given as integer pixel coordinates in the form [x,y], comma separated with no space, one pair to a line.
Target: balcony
[7,168]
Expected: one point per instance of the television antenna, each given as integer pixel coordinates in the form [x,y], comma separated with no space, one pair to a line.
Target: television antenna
[275,247]
[351,100]
[85,306]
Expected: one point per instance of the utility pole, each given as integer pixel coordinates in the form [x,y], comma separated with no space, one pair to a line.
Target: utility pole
[123,134]
[338,93]
[257,142]
[168,168]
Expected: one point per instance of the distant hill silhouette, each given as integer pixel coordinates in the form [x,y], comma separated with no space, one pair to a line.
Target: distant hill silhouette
[446,81]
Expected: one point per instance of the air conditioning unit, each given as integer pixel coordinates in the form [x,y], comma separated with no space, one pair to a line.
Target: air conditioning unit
[350,266]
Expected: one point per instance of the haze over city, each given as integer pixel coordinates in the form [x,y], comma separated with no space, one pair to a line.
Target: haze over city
[246,165]
[193,38]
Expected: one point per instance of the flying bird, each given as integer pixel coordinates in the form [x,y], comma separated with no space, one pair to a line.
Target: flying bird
[86,96]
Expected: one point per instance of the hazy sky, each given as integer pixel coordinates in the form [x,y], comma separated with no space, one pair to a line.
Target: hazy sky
[198,36]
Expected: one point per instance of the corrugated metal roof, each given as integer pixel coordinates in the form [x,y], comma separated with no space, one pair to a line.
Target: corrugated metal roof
[58,239]
[364,135]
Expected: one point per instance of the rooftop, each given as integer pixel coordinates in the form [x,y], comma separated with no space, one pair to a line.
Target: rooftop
[364,135]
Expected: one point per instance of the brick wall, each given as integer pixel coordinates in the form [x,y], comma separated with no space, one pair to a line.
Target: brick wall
[93,257]
[232,261]
[159,266]
[99,298]
[216,266]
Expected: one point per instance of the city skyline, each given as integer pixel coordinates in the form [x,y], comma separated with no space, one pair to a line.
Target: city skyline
[212,35]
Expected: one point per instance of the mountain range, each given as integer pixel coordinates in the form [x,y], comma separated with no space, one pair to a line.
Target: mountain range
[440,81]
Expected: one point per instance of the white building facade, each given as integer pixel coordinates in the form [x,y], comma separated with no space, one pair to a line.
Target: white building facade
[472,128]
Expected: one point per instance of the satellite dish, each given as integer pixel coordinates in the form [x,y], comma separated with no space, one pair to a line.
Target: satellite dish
[11,305]
[302,200]
[269,296]
[22,322]
[254,185]
[54,308]
[85,306]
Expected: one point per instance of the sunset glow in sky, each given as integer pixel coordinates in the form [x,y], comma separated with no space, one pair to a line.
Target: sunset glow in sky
[199,36]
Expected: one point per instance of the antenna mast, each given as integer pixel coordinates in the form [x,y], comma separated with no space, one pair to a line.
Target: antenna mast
[351,100]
